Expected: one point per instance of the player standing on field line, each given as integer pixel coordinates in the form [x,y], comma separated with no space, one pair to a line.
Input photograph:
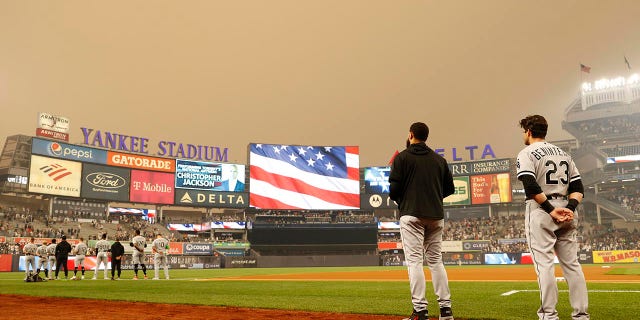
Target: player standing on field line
[117,254]
[80,251]
[51,258]
[102,247]
[554,189]
[29,250]
[138,243]
[62,254]
[41,252]
[419,180]
[159,247]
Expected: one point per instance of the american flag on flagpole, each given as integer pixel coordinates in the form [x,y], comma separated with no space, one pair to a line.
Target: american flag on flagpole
[304,177]
[585,68]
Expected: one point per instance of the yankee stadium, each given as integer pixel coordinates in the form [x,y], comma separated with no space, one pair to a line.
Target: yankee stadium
[311,206]
[320,160]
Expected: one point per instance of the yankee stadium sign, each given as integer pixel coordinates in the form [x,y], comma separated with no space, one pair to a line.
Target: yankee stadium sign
[127,143]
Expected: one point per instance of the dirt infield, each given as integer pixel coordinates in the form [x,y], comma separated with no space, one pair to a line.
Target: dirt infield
[13,306]
[593,273]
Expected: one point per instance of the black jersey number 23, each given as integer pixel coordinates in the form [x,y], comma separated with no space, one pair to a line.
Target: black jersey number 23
[553,176]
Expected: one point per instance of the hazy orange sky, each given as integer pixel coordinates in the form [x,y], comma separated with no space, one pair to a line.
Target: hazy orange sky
[227,73]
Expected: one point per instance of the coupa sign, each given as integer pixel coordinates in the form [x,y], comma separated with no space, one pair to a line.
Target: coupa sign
[198,249]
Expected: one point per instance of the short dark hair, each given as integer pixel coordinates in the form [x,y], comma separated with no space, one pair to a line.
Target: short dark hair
[138,231]
[420,131]
[104,236]
[537,124]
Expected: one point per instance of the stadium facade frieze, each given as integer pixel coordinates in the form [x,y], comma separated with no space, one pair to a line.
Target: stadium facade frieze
[135,144]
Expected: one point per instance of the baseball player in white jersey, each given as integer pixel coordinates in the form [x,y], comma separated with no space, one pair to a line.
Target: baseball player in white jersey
[80,251]
[51,257]
[29,251]
[102,248]
[160,246]
[138,243]
[554,189]
[41,252]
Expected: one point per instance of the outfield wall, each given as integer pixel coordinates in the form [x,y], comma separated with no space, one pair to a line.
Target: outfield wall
[16,262]
[318,261]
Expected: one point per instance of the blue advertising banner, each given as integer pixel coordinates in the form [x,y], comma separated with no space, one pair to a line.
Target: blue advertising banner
[68,151]
[211,199]
[198,175]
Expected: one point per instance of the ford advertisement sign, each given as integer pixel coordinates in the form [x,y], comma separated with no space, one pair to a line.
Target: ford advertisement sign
[198,249]
[105,183]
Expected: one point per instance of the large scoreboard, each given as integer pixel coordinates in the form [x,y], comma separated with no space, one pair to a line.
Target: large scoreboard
[475,182]
[69,170]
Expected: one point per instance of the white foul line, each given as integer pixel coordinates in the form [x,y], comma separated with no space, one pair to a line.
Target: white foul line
[508,293]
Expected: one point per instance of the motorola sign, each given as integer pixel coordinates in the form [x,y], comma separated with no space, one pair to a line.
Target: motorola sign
[376,201]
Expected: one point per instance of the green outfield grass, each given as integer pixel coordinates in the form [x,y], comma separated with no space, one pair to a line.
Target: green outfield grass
[633,270]
[471,300]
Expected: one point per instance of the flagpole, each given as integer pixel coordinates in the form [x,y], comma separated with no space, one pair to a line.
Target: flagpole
[580,83]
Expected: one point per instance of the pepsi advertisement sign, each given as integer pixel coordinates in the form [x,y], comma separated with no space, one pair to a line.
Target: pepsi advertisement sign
[198,249]
[68,151]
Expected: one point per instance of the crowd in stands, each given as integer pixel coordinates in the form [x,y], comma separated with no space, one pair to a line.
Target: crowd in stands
[284,217]
[619,151]
[600,237]
[505,233]
[606,127]
[628,196]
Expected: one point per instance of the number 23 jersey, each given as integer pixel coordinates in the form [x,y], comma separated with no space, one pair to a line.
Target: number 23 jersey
[551,166]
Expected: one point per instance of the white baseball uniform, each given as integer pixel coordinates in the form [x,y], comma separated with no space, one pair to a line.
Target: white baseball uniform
[553,170]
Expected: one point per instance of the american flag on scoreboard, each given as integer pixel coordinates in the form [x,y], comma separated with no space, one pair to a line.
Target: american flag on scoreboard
[304,177]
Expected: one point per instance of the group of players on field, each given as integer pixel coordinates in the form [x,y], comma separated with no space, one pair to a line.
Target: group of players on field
[56,254]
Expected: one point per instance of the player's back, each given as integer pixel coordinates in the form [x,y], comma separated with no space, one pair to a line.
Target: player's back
[51,249]
[139,241]
[81,249]
[102,246]
[30,248]
[552,167]
[42,250]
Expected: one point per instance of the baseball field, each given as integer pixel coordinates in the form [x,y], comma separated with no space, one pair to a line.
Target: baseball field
[379,293]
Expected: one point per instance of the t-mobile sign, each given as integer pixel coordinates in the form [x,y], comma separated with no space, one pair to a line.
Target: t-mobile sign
[152,187]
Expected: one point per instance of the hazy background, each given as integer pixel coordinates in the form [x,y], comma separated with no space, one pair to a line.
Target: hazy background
[227,73]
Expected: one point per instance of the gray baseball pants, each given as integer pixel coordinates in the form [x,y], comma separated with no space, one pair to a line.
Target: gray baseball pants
[546,237]
[422,239]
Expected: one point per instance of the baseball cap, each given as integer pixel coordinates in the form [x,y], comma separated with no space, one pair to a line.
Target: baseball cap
[64,237]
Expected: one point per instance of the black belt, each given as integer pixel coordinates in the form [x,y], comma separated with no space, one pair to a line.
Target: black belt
[556,196]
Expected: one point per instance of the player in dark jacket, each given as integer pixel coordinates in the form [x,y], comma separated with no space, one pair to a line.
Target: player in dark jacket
[117,254]
[62,254]
[419,180]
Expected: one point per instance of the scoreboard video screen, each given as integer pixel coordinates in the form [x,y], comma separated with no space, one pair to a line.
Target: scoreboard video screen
[376,180]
